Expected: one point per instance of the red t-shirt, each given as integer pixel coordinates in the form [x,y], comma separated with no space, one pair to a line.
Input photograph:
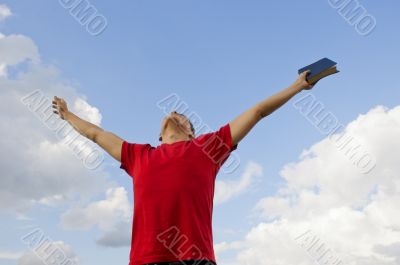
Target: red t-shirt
[173,187]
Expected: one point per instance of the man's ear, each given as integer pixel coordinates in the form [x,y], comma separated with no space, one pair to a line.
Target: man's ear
[160,139]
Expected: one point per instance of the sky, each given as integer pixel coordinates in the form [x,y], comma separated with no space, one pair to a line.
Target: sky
[316,181]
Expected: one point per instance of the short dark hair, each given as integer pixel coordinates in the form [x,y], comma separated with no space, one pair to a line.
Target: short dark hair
[192,127]
[191,124]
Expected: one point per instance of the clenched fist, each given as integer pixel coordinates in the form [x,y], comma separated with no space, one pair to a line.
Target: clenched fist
[301,82]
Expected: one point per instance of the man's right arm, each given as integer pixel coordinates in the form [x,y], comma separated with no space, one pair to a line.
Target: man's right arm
[110,142]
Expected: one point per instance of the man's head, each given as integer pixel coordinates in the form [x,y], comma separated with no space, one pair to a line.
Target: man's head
[176,126]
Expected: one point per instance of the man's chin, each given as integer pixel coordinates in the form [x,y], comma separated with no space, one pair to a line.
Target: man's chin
[169,122]
[173,124]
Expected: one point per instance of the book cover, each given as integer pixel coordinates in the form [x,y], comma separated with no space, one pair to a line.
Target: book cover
[319,70]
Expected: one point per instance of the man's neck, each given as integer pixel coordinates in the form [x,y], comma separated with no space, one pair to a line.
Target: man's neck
[172,138]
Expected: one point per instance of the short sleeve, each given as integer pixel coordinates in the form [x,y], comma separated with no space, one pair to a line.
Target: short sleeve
[218,144]
[131,156]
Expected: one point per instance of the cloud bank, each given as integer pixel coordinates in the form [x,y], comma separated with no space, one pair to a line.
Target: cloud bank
[353,217]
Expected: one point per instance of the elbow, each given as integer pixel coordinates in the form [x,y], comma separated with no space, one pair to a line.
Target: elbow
[93,135]
[259,114]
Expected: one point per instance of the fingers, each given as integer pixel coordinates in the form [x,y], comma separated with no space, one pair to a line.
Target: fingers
[55,109]
[55,105]
[57,99]
[305,73]
[303,76]
[55,102]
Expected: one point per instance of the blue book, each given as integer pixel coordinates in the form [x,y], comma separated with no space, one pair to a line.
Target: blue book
[319,70]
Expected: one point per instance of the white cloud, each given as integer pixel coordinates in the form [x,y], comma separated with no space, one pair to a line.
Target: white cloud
[112,215]
[38,166]
[5,12]
[15,49]
[3,70]
[49,253]
[87,112]
[228,189]
[353,214]
[11,255]
[119,236]
[53,200]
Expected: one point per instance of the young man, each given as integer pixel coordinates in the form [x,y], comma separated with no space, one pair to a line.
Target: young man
[174,182]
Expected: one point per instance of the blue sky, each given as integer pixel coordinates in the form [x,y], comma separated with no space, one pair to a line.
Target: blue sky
[220,57]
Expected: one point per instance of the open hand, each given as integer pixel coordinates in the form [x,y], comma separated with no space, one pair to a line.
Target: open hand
[60,107]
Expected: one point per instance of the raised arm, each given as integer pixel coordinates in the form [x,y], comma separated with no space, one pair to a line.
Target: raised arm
[243,123]
[110,142]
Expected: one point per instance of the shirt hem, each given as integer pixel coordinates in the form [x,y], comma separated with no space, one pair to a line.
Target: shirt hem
[157,259]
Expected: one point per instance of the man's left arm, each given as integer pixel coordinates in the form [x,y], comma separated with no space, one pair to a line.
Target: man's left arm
[243,123]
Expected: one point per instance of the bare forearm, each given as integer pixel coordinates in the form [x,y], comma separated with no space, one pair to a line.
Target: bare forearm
[275,101]
[85,128]
[242,124]
[110,142]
